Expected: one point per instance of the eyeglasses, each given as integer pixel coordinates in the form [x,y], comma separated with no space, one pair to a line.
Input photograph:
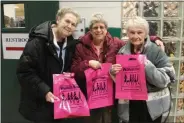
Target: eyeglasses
[96,27]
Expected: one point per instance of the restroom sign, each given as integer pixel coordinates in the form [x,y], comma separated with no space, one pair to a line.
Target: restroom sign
[13,44]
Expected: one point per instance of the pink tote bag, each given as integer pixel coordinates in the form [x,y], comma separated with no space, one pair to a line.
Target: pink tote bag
[99,87]
[72,101]
[131,81]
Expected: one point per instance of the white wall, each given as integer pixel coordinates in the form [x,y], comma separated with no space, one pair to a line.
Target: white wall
[110,10]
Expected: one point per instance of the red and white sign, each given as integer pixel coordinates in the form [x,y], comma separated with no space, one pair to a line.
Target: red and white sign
[13,44]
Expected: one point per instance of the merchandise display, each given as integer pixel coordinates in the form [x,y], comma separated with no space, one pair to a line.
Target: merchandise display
[166,20]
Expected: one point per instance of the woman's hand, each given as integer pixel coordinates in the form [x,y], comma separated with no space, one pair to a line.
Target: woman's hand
[115,68]
[161,44]
[50,97]
[94,64]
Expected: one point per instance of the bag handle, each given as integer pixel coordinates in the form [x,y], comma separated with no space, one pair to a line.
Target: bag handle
[132,59]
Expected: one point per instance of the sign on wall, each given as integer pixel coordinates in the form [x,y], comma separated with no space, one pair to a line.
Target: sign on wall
[13,44]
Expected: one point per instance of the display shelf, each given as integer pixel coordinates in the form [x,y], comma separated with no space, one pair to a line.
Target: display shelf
[166,20]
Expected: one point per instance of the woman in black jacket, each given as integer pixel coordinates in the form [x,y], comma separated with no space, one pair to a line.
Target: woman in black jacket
[49,51]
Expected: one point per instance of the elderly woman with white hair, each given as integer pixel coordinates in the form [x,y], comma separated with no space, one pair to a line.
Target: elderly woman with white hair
[159,73]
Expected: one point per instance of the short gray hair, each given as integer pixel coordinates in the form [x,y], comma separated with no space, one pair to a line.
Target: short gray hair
[63,11]
[97,18]
[138,22]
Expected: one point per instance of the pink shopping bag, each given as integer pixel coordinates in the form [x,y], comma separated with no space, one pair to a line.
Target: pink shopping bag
[72,101]
[99,87]
[131,81]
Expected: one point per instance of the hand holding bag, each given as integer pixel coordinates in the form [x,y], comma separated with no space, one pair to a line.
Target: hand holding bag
[72,101]
[131,80]
[99,87]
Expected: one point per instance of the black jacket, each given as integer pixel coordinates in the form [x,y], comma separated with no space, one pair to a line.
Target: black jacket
[37,63]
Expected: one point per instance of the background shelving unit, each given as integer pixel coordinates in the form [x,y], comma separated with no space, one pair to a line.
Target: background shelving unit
[166,20]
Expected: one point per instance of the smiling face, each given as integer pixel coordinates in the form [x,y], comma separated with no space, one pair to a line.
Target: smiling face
[66,25]
[98,31]
[137,30]
[136,35]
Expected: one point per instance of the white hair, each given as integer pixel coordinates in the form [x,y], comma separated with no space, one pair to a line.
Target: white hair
[97,18]
[63,11]
[138,22]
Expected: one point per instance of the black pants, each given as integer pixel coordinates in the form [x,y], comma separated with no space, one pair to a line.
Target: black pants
[138,113]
